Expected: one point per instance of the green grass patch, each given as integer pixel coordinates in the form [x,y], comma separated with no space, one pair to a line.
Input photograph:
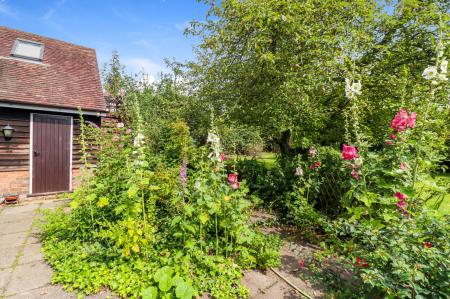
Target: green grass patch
[442,205]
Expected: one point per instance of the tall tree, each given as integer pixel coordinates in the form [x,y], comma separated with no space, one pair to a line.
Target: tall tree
[280,65]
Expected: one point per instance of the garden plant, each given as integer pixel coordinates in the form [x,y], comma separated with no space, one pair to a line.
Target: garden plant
[352,98]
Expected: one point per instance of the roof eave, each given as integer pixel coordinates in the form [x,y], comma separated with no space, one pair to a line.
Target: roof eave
[68,110]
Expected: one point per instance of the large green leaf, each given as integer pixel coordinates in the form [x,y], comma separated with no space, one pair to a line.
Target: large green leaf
[150,293]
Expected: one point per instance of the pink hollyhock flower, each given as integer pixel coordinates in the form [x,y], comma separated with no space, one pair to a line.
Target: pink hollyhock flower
[389,142]
[392,136]
[315,165]
[412,120]
[355,175]
[400,196]
[427,244]
[128,131]
[402,120]
[349,152]
[401,204]
[232,178]
[235,185]
[404,166]
[222,157]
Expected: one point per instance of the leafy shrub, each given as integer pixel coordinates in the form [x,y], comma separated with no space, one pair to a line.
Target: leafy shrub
[406,259]
[241,139]
[142,228]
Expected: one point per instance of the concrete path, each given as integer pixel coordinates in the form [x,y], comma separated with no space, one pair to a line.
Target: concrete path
[24,273]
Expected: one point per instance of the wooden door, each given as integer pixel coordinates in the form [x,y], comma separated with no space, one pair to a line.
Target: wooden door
[51,153]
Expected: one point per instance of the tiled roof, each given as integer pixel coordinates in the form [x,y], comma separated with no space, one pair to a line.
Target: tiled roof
[67,76]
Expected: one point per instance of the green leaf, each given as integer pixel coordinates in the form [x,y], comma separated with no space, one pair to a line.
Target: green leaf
[163,277]
[184,290]
[203,218]
[103,202]
[132,191]
[150,293]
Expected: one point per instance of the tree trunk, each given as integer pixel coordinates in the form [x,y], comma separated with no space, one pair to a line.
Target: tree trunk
[284,142]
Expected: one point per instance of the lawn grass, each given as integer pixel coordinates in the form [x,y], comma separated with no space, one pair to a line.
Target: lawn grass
[268,159]
[444,206]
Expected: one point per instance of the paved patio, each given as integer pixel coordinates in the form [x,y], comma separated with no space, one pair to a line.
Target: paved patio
[24,273]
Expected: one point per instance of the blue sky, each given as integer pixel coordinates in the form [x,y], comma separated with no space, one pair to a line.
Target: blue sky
[144,32]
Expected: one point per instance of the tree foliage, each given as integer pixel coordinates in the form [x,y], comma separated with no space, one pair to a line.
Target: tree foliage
[280,65]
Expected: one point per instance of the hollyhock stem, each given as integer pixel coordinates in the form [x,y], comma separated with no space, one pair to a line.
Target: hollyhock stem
[422,130]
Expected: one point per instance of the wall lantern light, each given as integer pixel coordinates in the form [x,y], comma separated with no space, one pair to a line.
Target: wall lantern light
[8,132]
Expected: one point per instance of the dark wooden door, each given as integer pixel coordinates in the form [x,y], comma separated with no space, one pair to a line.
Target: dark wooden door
[51,153]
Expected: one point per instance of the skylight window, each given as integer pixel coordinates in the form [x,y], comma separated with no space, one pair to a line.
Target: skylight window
[28,50]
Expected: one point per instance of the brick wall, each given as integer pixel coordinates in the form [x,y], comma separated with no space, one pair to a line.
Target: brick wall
[17,182]
[14,182]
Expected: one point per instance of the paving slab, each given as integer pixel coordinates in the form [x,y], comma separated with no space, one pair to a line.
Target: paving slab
[8,256]
[45,292]
[16,226]
[32,239]
[15,217]
[51,205]
[20,209]
[5,275]
[28,277]
[12,240]
[258,281]
[31,253]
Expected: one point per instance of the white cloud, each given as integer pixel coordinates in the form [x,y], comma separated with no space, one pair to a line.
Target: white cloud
[6,10]
[53,9]
[139,64]
[146,79]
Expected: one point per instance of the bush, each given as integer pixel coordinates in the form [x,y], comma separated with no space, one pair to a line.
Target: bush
[142,228]
[241,139]
[406,259]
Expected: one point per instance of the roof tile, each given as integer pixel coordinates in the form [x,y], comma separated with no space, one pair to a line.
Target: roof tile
[68,75]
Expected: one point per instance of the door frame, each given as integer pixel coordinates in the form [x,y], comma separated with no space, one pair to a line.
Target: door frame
[31,150]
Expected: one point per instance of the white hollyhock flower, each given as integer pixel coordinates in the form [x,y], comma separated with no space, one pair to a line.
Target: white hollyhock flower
[444,65]
[356,87]
[214,139]
[352,89]
[430,72]
[138,140]
[120,125]
[442,77]
[348,88]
